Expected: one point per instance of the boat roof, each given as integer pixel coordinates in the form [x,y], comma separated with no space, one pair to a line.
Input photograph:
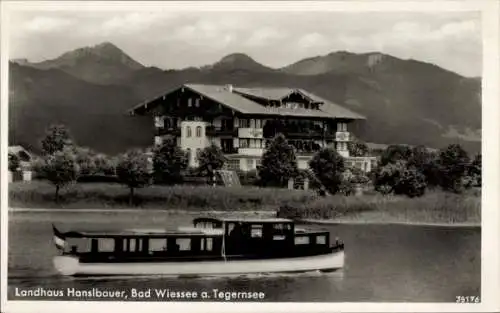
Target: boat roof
[160,233]
[243,220]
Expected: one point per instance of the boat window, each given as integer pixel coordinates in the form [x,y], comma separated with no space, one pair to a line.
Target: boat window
[209,244]
[302,240]
[321,240]
[278,226]
[256,231]
[184,243]
[106,245]
[157,244]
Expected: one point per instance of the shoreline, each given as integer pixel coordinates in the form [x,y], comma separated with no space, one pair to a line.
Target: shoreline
[352,220]
[407,223]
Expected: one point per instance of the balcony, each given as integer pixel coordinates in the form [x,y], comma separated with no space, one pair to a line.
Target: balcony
[173,131]
[217,131]
[247,132]
[229,150]
[342,136]
[308,134]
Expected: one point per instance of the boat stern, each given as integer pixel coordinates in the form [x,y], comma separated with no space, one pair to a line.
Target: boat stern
[66,265]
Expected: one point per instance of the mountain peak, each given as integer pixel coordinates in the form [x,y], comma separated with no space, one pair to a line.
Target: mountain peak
[105,51]
[240,61]
[236,58]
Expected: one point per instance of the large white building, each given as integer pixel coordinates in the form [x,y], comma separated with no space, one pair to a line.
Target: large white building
[242,121]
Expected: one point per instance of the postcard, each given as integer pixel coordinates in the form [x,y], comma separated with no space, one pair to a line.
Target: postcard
[293,156]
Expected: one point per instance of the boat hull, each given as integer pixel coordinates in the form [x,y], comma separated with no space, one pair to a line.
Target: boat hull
[71,266]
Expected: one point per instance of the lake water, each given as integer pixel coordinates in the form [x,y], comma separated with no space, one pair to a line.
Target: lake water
[384,263]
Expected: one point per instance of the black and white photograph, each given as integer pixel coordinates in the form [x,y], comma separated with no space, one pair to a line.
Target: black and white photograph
[289,152]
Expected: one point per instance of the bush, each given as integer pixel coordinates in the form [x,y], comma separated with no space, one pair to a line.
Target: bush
[250,178]
[399,178]
[97,178]
[410,183]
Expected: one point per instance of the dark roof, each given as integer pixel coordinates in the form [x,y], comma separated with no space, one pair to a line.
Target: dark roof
[265,93]
[132,233]
[236,101]
[243,219]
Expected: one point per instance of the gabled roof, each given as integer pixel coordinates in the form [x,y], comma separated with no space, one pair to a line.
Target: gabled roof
[236,101]
[17,150]
[231,99]
[265,93]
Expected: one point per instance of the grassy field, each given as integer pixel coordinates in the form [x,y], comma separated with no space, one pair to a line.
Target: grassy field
[435,207]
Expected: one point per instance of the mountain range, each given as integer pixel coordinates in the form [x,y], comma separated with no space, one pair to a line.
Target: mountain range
[90,89]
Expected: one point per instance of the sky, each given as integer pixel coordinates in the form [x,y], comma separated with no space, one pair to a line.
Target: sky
[174,40]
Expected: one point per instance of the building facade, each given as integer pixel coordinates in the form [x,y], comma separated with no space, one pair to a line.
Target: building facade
[242,121]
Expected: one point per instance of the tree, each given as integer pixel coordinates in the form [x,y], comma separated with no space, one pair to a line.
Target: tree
[425,162]
[85,158]
[454,166]
[328,167]
[168,162]
[211,159]
[104,164]
[134,170]
[57,137]
[410,182]
[357,148]
[475,170]
[279,163]
[14,162]
[395,153]
[60,168]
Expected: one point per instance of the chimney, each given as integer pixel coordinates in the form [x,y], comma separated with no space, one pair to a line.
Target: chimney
[229,87]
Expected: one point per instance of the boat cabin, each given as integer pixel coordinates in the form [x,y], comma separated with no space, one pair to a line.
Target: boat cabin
[210,238]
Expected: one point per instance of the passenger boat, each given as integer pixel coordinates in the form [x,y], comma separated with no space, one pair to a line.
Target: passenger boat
[210,247]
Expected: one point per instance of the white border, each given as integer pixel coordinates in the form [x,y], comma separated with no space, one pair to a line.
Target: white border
[490,149]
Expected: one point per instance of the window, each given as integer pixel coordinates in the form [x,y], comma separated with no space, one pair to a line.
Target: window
[190,102]
[233,164]
[157,244]
[188,131]
[301,240]
[278,237]
[249,164]
[244,143]
[258,123]
[341,127]
[184,244]
[256,231]
[188,152]
[252,123]
[106,245]
[321,240]
[206,244]
[244,123]
[159,121]
[197,102]
[198,131]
